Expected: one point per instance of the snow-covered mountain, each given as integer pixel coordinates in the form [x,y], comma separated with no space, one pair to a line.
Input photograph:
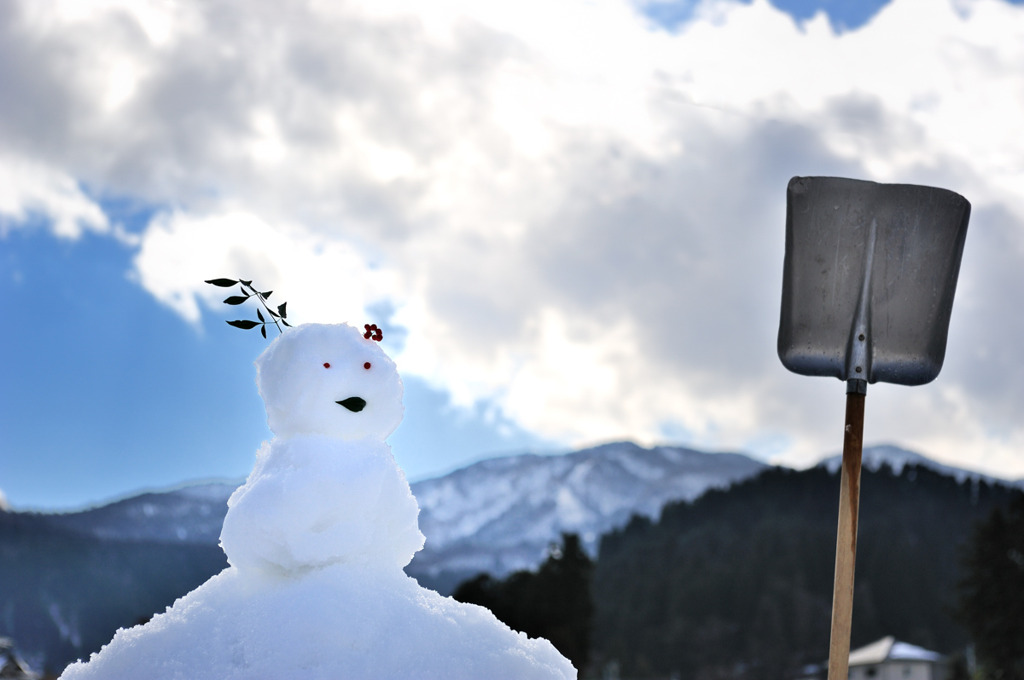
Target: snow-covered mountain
[897,458]
[191,513]
[502,514]
[498,515]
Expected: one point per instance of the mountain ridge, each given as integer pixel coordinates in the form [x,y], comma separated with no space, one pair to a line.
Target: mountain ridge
[192,512]
[498,515]
[897,457]
[476,519]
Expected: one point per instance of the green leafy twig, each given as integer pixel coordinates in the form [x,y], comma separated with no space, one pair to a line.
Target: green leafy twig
[248,291]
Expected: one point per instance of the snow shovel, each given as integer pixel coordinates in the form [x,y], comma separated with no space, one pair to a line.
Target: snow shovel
[867,290]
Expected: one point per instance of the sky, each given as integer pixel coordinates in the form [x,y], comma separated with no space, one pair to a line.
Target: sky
[568,218]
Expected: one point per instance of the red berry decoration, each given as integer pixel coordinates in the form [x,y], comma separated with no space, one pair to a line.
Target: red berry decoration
[367,365]
[327,365]
[372,332]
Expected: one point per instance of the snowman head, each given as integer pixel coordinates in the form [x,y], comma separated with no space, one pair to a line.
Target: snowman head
[329,380]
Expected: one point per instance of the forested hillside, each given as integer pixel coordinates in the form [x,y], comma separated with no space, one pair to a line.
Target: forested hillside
[739,582]
[63,594]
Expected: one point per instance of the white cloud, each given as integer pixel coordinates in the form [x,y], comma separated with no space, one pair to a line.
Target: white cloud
[331,280]
[578,215]
[30,189]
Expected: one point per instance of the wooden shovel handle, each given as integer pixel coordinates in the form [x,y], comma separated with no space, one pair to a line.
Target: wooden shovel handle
[846,539]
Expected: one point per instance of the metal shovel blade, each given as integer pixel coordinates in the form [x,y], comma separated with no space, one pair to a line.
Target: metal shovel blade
[869,277]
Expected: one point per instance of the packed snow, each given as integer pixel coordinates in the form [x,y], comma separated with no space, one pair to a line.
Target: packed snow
[316,541]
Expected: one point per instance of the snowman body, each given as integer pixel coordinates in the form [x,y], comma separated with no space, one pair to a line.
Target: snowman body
[293,514]
[316,540]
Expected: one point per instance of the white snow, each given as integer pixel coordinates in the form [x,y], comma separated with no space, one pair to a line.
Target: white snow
[889,648]
[905,651]
[499,515]
[316,540]
[312,501]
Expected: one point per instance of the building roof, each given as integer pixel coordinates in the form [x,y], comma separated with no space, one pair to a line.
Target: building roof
[890,649]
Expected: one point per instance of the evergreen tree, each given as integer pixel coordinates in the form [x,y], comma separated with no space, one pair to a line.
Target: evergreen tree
[563,582]
[992,592]
[553,602]
[738,583]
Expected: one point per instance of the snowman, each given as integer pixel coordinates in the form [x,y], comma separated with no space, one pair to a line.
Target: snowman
[316,540]
[326,490]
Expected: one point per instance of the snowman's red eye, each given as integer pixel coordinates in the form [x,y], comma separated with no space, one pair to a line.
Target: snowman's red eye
[367,365]
[326,365]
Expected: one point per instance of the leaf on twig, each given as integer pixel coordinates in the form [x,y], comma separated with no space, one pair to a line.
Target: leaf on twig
[248,292]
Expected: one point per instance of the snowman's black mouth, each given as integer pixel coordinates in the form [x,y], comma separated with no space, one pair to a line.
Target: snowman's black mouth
[354,404]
